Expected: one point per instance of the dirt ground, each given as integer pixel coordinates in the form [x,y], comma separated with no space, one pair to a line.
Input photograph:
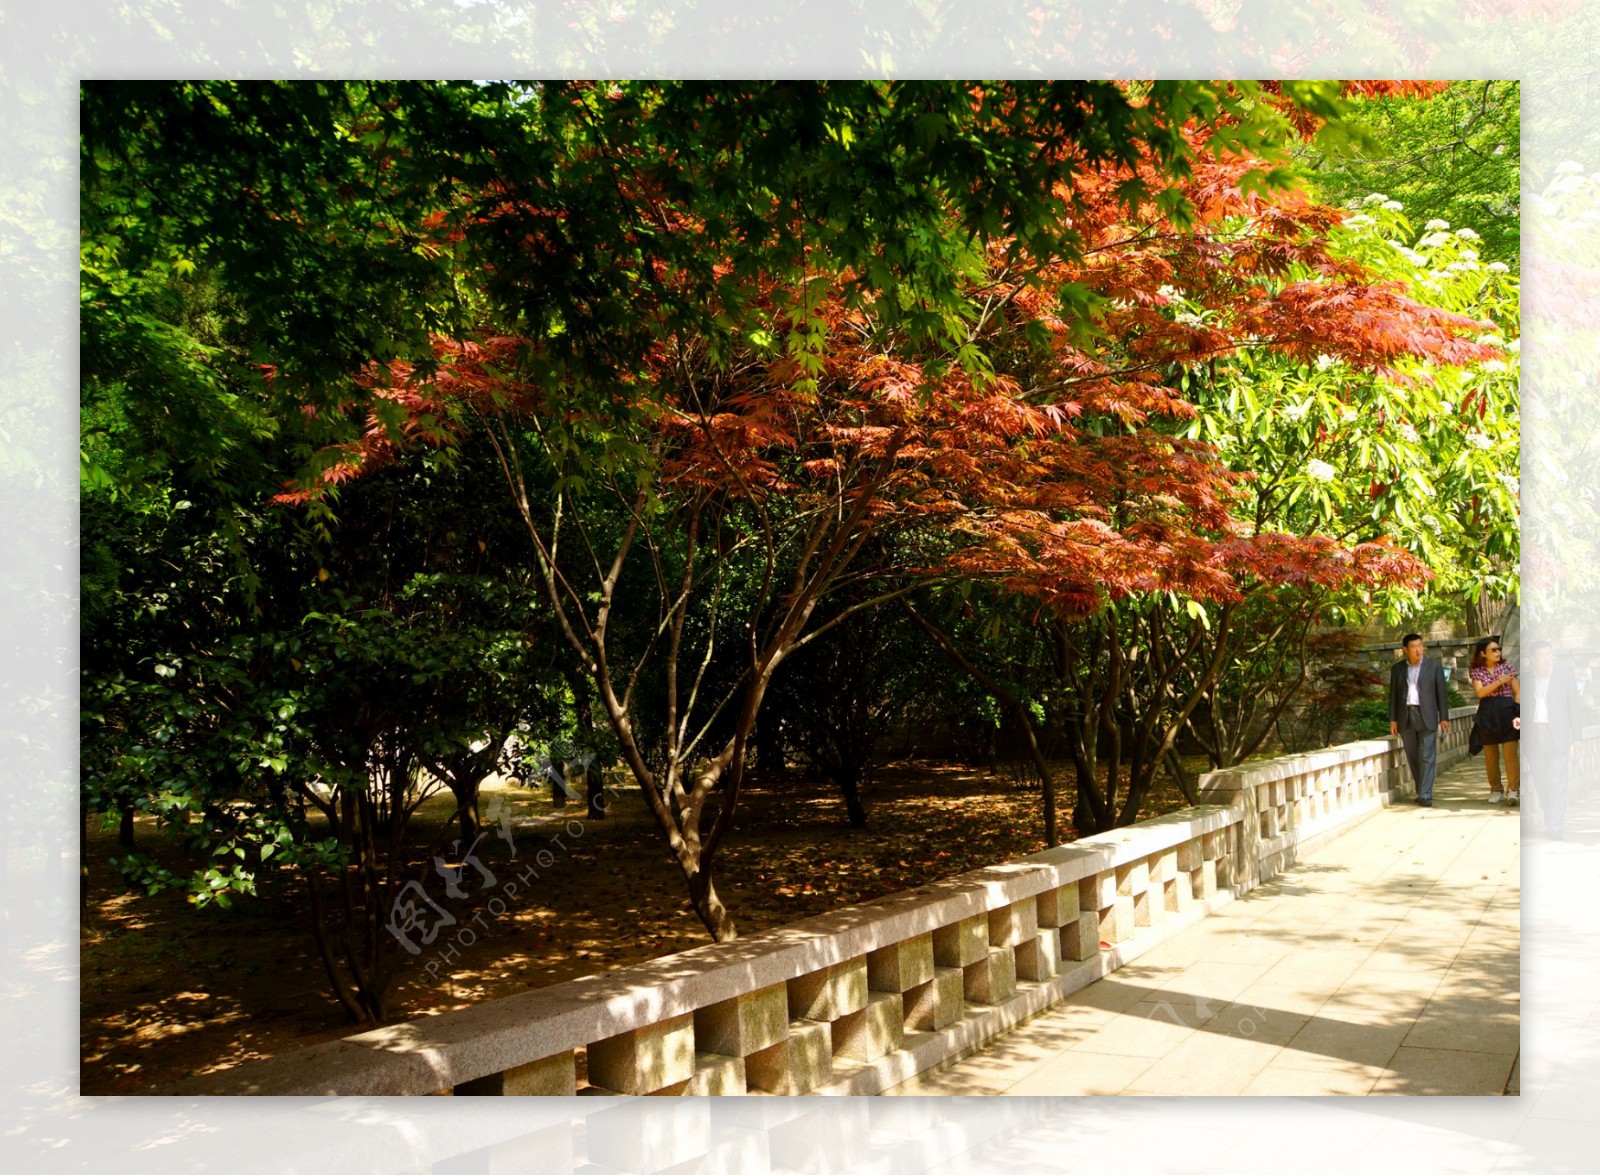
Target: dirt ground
[169,991]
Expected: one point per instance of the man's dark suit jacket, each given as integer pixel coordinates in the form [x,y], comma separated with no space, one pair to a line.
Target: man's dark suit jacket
[1431,693]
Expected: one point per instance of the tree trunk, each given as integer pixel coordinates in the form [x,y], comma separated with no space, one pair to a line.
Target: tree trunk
[769,743]
[83,856]
[1140,777]
[1180,776]
[850,787]
[594,785]
[125,829]
[467,812]
[347,998]
[707,904]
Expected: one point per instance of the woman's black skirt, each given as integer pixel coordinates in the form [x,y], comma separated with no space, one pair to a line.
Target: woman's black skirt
[1493,724]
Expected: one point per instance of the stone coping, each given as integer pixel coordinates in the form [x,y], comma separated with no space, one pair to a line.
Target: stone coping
[1116,847]
[442,1051]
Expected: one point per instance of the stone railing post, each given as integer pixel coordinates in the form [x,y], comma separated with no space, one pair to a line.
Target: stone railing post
[1229,787]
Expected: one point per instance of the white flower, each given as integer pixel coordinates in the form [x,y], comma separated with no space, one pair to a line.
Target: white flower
[1321,470]
[1498,267]
[1187,319]
[1512,484]
[1492,365]
[1348,415]
[1492,339]
[1294,413]
[1375,198]
[1468,235]
[1469,254]
[1479,441]
[1409,433]
[1432,240]
[1393,205]
[1324,362]
[1360,220]
[1167,292]
[1436,223]
[1515,346]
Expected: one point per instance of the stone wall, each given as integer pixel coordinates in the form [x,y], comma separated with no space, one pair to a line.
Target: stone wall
[862,998]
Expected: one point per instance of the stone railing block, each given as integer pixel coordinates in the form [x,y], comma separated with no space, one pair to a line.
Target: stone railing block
[1270,825]
[875,1031]
[902,965]
[1057,906]
[1133,878]
[743,1024]
[938,1002]
[1117,922]
[1097,892]
[1080,939]
[644,1060]
[961,943]
[1040,957]
[1176,895]
[717,1074]
[993,980]
[1190,855]
[1164,865]
[554,1075]
[1149,907]
[1014,923]
[831,993]
[799,1063]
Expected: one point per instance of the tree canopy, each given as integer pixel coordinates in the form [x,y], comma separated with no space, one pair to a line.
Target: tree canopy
[420,414]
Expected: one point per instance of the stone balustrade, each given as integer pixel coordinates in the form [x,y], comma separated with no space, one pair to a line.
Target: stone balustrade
[859,999]
[1290,805]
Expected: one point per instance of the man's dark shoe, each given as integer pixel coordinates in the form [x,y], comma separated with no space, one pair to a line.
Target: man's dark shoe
[1425,803]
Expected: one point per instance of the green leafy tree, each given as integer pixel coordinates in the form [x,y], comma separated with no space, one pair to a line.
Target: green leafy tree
[1454,156]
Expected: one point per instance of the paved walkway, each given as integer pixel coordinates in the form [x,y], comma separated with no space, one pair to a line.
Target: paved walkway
[1387,962]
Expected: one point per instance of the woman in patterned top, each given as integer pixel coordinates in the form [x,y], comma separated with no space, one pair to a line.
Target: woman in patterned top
[1497,723]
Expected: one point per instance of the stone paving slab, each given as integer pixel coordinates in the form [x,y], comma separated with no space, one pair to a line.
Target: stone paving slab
[1385,962]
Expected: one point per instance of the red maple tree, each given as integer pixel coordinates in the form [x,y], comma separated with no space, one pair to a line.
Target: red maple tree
[827,449]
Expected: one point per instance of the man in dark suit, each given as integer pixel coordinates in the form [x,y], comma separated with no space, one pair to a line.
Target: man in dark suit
[1419,709]
[1552,732]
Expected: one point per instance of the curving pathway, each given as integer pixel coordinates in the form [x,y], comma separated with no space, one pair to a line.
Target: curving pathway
[1386,962]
